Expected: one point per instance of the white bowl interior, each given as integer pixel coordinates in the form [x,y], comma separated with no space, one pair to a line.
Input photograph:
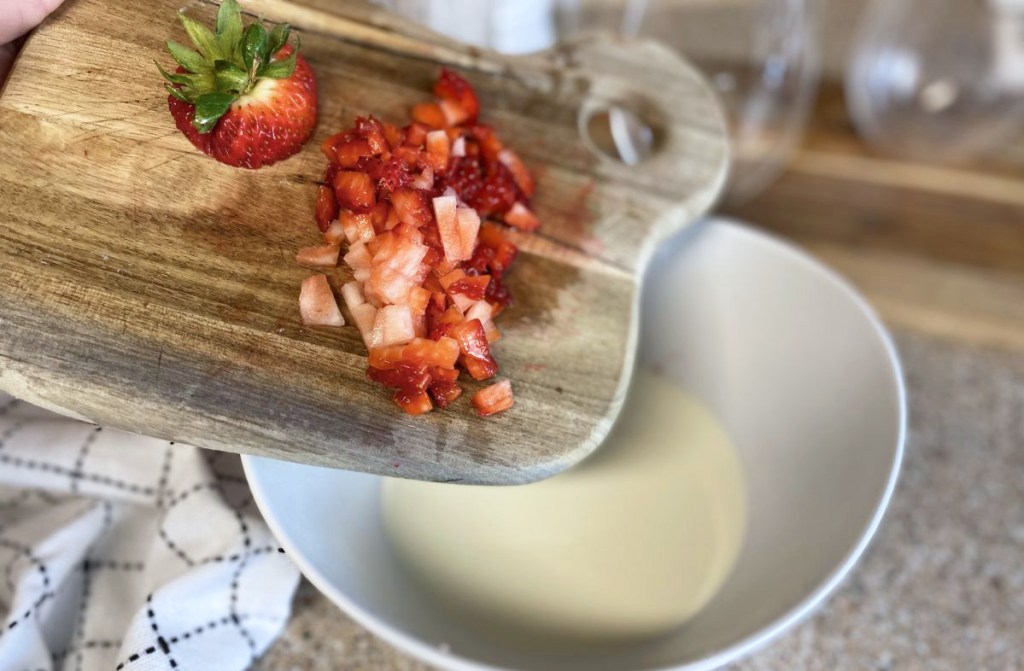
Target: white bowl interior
[802,375]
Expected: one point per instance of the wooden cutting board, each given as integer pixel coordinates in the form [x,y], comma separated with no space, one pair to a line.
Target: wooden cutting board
[147,287]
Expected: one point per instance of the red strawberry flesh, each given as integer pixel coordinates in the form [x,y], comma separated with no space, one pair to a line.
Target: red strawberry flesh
[427,269]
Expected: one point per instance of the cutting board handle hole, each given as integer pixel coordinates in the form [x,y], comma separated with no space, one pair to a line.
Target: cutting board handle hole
[620,132]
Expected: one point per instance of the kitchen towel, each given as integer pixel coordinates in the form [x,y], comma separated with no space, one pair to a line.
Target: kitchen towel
[125,552]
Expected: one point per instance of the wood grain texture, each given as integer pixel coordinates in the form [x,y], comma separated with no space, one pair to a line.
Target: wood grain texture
[937,248]
[145,286]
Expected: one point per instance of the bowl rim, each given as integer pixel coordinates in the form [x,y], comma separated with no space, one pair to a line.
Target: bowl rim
[802,610]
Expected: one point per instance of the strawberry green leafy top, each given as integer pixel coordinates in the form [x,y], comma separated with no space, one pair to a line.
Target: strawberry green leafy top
[226,64]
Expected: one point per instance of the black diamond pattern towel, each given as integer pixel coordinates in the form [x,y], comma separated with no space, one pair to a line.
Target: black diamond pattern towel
[125,552]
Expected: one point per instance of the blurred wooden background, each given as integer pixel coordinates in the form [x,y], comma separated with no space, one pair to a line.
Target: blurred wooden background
[937,249]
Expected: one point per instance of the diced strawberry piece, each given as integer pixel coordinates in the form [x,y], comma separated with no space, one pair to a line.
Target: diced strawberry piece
[394,322]
[418,300]
[515,165]
[392,220]
[402,375]
[394,135]
[443,352]
[389,175]
[326,208]
[498,296]
[459,147]
[397,269]
[454,113]
[405,257]
[451,86]
[373,130]
[317,305]
[389,285]
[386,358]
[412,157]
[409,233]
[424,180]
[448,279]
[335,233]
[438,149]
[443,323]
[444,387]
[481,310]
[431,236]
[358,256]
[416,134]
[521,217]
[364,316]
[495,261]
[379,216]
[349,153]
[476,353]
[325,256]
[429,114]
[441,330]
[455,132]
[355,191]
[462,302]
[329,147]
[412,207]
[497,193]
[432,314]
[438,299]
[448,226]
[445,374]
[504,255]
[332,171]
[469,226]
[435,255]
[492,333]
[445,393]
[490,145]
[465,175]
[472,287]
[496,252]
[416,403]
[493,399]
[492,235]
[357,227]
[451,316]
[383,246]
[410,383]
[352,294]
[481,261]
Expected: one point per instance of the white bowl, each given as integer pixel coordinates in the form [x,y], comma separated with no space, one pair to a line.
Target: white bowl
[808,384]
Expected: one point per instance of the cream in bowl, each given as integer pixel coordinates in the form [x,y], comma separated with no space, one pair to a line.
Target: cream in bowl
[626,546]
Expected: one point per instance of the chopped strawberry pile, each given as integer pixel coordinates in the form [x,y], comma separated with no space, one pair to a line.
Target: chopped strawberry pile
[404,208]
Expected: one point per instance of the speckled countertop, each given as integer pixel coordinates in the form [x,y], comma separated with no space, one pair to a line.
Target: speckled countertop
[942,586]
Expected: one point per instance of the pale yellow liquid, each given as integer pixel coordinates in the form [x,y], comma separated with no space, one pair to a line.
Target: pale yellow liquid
[628,545]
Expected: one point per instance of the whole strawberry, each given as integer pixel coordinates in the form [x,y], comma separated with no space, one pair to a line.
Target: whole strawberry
[244,96]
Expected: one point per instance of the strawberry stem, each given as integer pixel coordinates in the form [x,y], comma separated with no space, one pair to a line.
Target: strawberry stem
[226,63]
